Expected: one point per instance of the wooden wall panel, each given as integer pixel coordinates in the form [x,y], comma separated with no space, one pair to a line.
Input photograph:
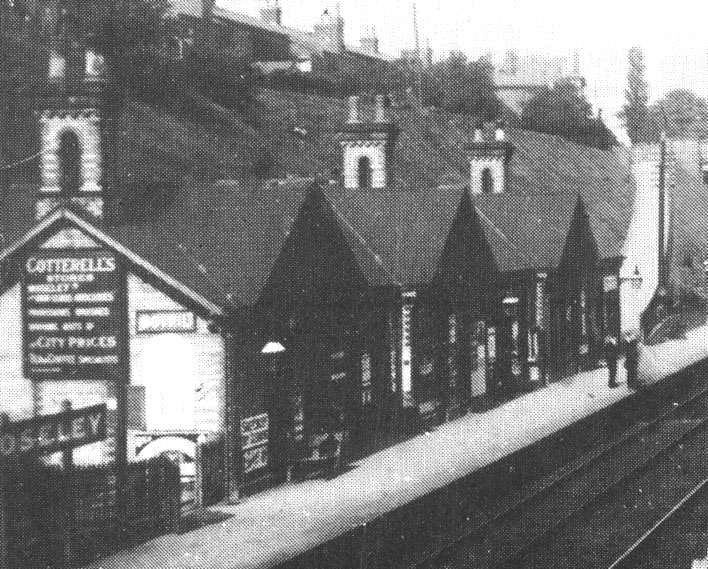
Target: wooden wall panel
[186,368]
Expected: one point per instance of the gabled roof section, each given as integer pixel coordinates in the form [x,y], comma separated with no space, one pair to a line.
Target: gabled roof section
[215,242]
[399,236]
[222,239]
[63,218]
[526,231]
[549,164]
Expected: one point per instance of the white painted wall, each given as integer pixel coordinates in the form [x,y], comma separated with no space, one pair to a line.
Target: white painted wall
[641,248]
[183,373]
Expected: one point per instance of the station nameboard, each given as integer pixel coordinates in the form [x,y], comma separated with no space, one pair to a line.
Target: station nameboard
[52,433]
[72,319]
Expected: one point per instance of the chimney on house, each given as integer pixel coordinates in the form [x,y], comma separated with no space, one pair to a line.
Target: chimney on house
[479,132]
[380,109]
[353,105]
[370,42]
[271,12]
[499,133]
[329,31]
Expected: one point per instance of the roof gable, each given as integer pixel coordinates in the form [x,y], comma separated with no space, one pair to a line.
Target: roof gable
[222,240]
[404,232]
[526,231]
[65,229]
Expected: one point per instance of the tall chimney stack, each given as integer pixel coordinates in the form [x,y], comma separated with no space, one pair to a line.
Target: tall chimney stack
[353,103]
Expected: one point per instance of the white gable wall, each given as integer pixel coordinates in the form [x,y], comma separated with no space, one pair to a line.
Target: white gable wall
[183,373]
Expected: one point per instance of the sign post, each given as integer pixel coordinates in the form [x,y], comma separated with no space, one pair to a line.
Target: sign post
[4,561]
[68,465]
[47,434]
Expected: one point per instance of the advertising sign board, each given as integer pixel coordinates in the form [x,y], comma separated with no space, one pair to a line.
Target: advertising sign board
[71,314]
[254,434]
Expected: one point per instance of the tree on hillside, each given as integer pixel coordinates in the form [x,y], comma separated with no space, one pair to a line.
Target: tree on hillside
[464,87]
[564,111]
[635,112]
[133,35]
[681,114]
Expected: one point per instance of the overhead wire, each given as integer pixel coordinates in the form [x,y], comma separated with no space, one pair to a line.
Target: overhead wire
[23,161]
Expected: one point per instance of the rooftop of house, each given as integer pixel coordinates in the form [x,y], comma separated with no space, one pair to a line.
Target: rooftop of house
[304,43]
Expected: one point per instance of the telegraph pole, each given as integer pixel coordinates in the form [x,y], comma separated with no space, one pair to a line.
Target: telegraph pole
[662,212]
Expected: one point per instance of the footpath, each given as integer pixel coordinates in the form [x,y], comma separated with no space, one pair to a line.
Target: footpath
[284,521]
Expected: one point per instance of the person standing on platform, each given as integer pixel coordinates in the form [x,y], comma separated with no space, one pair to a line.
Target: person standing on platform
[611,349]
[631,362]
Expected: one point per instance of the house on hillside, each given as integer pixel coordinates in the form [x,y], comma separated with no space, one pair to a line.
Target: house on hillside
[521,76]
[265,42]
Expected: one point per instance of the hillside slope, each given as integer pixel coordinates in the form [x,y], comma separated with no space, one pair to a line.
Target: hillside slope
[196,142]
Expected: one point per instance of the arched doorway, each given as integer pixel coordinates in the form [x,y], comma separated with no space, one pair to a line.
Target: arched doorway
[365,173]
[69,163]
[487,181]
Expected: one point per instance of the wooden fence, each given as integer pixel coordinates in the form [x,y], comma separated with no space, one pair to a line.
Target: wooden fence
[58,519]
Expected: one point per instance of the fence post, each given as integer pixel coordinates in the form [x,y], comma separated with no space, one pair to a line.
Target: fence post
[176,499]
[68,466]
[4,554]
[199,473]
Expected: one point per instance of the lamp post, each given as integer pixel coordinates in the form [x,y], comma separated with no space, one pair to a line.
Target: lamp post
[705,276]
[511,364]
[272,353]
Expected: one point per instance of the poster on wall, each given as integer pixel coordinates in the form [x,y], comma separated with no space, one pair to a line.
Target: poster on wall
[71,315]
[254,437]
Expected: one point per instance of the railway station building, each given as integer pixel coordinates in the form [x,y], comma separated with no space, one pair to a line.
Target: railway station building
[267,313]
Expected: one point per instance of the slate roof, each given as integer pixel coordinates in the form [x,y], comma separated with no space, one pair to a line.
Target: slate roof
[405,232]
[549,164]
[397,234]
[221,240]
[17,209]
[526,231]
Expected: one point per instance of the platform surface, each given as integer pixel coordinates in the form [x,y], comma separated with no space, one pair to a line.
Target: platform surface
[284,521]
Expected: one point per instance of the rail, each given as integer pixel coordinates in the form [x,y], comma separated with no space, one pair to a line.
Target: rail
[564,475]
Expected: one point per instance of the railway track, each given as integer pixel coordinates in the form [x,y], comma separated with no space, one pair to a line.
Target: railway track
[517,526]
[658,518]
[641,549]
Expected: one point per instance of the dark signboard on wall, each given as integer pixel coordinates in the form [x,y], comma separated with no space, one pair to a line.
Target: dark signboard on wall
[72,315]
